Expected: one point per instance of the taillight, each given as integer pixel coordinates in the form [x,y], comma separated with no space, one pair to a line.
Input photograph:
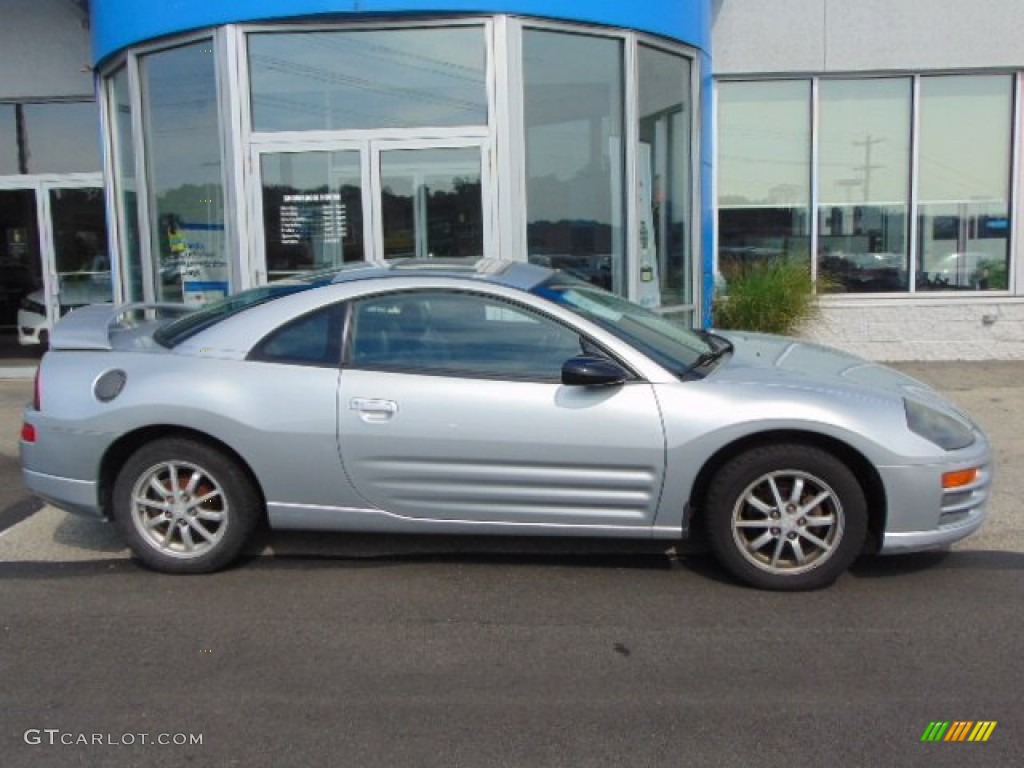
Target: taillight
[37,398]
[28,433]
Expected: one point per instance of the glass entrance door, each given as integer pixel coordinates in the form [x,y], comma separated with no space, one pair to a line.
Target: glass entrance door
[53,255]
[21,274]
[431,202]
[81,258]
[312,211]
[367,201]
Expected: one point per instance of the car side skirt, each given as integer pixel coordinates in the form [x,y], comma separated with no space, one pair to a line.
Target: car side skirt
[319,518]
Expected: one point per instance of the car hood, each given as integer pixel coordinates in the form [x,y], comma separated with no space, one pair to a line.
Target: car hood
[786,362]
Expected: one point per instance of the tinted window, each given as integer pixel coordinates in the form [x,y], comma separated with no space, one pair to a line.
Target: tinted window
[664,341]
[459,334]
[313,339]
[178,331]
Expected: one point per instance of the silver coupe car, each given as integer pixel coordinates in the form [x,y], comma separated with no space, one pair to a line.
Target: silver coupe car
[489,397]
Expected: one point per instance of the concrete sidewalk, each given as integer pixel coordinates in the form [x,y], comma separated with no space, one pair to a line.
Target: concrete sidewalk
[991,392]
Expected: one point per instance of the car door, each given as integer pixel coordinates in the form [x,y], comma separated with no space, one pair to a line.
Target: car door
[451,408]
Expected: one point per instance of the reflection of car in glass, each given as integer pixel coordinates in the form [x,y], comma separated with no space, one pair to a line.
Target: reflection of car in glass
[866,272]
[490,397]
[595,269]
[77,289]
[960,270]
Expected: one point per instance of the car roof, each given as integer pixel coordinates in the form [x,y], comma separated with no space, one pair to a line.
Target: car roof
[515,274]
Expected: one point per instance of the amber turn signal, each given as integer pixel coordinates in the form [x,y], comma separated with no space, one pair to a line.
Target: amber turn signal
[959,478]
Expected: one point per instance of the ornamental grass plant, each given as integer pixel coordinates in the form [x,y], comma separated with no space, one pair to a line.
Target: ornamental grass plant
[774,296]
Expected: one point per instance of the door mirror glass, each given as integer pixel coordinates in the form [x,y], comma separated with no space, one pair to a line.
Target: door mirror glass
[590,371]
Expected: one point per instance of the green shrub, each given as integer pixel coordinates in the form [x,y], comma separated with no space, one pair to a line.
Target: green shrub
[774,296]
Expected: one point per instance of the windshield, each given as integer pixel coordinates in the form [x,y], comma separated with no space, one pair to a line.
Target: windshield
[670,345]
[184,328]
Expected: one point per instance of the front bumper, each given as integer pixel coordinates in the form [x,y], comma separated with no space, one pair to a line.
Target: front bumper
[951,514]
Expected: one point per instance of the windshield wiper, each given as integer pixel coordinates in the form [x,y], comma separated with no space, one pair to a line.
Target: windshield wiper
[714,354]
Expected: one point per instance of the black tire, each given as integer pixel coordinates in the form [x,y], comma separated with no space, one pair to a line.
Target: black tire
[184,507]
[795,545]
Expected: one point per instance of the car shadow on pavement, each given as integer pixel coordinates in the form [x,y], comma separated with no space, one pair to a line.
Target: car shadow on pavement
[880,567]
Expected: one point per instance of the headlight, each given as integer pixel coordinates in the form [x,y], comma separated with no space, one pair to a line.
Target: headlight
[937,427]
[32,306]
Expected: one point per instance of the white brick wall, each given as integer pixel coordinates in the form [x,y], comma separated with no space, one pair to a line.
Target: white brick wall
[965,330]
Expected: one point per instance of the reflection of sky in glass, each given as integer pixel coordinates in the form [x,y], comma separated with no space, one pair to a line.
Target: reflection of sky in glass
[63,138]
[180,96]
[376,79]
[573,115]
[864,145]
[8,140]
[764,143]
[965,137]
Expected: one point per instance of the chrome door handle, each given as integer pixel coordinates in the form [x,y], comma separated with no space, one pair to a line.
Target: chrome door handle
[373,409]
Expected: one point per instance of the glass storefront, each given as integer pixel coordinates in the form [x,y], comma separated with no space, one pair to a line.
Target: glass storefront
[373,79]
[9,140]
[21,263]
[60,137]
[575,154]
[53,237]
[764,172]
[431,203]
[665,182]
[185,183]
[312,211]
[901,205]
[119,105]
[80,253]
[497,137]
[864,184]
[964,181]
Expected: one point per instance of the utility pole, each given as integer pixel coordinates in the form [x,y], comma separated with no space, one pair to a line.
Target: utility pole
[867,168]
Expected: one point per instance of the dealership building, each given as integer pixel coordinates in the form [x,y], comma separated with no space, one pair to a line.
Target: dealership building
[196,149]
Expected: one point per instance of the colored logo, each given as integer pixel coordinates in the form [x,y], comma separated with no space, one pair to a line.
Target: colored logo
[959,730]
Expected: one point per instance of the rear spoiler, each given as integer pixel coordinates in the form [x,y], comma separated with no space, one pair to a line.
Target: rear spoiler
[89,327]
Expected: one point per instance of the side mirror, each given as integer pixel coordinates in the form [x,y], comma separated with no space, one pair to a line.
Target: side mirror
[590,371]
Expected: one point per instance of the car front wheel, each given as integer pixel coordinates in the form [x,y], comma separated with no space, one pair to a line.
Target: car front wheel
[786,517]
[184,506]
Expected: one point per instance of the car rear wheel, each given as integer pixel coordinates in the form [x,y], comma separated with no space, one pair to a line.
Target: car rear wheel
[184,506]
[786,517]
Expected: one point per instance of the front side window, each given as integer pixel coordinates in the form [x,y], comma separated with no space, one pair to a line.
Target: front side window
[184,171]
[458,334]
[575,172]
[345,80]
